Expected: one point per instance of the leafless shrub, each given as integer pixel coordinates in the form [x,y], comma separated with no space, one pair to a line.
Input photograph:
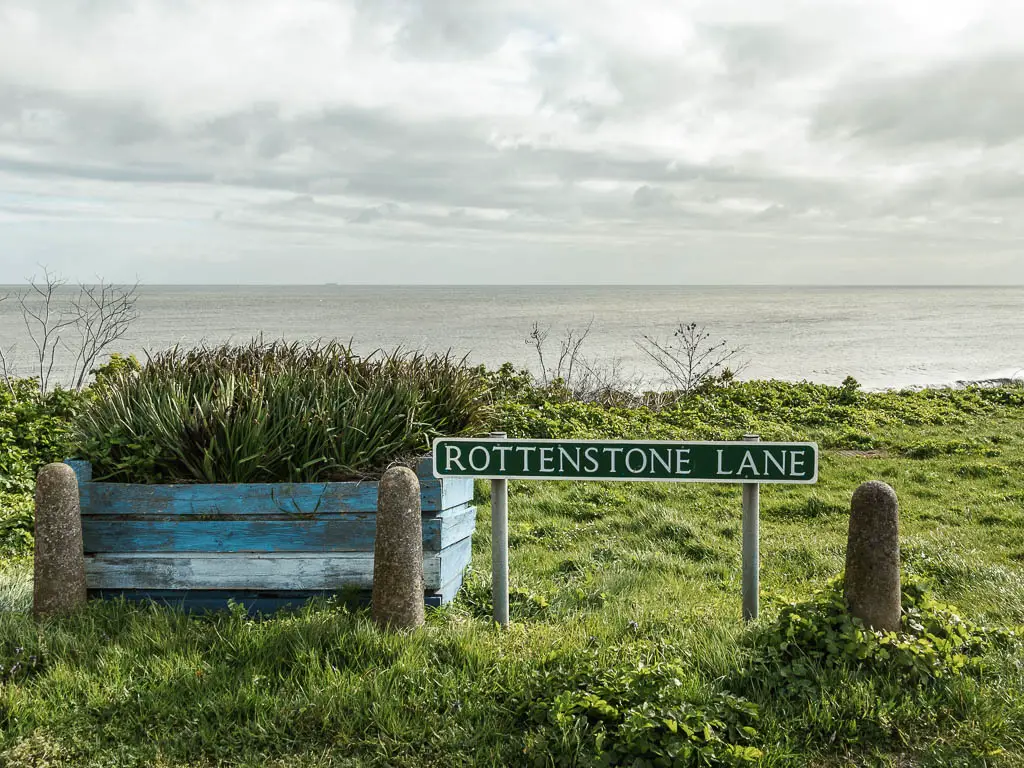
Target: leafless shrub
[569,358]
[45,320]
[691,360]
[85,324]
[536,339]
[105,312]
[582,379]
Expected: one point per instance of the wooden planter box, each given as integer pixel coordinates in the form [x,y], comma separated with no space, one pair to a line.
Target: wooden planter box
[265,545]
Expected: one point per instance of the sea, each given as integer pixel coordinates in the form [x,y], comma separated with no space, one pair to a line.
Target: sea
[885,337]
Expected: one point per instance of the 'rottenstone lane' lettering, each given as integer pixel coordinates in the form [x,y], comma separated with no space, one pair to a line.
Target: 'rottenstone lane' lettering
[627,460]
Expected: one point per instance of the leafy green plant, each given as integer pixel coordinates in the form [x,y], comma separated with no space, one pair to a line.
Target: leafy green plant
[34,429]
[271,412]
[633,712]
[116,365]
[17,522]
[849,391]
[812,638]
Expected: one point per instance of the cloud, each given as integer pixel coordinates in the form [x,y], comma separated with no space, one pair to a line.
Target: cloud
[571,129]
[971,101]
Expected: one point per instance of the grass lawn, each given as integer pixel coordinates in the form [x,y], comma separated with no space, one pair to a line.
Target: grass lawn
[626,640]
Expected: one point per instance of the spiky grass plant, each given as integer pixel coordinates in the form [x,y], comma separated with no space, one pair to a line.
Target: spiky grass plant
[274,412]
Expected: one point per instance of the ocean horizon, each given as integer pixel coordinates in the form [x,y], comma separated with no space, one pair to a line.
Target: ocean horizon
[884,336]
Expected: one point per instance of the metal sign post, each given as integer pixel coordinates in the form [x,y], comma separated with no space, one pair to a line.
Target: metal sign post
[751,545]
[499,545]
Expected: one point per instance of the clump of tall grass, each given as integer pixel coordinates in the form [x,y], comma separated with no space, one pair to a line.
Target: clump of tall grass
[274,412]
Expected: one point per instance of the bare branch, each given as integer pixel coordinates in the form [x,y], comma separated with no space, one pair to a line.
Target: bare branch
[580,378]
[690,360]
[536,339]
[44,321]
[105,312]
[100,314]
[569,353]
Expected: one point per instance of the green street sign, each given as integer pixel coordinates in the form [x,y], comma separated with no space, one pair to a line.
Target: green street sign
[655,460]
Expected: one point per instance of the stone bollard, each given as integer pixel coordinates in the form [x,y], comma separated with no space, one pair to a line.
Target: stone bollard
[398,552]
[59,583]
[872,587]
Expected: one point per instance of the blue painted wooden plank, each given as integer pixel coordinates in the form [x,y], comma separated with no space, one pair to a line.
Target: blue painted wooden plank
[286,570]
[455,491]
[101,534]
[453,560]
[82,469]
[456,525]
[446,594]
[425,466]
[256,498]
[341,533]
[104,535]
[227,499]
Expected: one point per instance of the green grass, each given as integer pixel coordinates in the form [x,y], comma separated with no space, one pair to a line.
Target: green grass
[626,599]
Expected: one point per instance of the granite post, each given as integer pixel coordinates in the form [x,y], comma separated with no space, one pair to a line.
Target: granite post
[872,586]
[398,552]
[59,583]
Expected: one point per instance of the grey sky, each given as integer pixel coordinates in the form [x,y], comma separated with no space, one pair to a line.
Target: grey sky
[727,141]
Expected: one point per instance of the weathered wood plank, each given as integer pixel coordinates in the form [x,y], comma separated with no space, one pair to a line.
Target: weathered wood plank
[446,594]
[425,467]
[451,494]
[352,532]
[213,499]
[454,490]
[102,535]
[456,525]
[302,571]
[257,498]
[82,470]
[454,560]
